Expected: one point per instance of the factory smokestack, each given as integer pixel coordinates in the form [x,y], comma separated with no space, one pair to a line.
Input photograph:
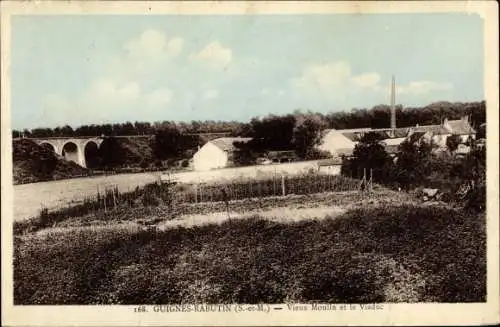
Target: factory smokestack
[393,104]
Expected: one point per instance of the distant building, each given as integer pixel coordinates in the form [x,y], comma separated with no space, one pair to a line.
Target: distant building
[217,153]
[282,156]
[391,145]
[440,133]
[340,142]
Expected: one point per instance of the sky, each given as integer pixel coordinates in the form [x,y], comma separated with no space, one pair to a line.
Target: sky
[96,69]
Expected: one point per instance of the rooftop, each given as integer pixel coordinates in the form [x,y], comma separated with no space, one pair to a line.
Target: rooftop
[460,127]
[227,143]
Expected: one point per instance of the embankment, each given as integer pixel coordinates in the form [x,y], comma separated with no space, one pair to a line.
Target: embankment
[34,163]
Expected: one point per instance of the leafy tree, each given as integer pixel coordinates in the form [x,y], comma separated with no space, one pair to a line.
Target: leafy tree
[273,132]
[413,164]
[167,142]
[481,132]
[368,154]
[307,134]
[111,153]
[452,142]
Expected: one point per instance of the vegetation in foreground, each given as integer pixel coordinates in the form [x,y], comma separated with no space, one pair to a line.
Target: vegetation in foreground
[173,199]
[372,254]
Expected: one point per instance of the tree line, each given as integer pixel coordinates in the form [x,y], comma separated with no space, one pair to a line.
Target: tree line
[298,132]
[376,117]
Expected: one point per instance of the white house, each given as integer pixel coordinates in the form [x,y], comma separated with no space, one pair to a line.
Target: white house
[340,142]
[217,153]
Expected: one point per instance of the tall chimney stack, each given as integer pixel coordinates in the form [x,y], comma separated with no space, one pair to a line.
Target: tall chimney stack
[393,104]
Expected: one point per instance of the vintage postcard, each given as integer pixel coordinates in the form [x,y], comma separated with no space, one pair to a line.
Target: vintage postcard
[249,163]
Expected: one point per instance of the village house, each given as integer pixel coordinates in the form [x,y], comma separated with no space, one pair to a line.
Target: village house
[438,134]
[340,142]
[217,153]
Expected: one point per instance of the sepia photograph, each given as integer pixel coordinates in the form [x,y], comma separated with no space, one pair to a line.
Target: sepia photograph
[182,162]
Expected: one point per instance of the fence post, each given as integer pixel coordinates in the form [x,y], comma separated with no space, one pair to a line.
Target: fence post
[371,180]
[196,193]
[274,184]
[114,198]
[105,196]
[283,190]
[98,196]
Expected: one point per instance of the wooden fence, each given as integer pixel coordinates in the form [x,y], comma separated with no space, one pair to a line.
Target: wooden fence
[168,194]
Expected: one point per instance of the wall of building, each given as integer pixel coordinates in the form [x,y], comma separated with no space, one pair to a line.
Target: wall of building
[209,157]
[333,141]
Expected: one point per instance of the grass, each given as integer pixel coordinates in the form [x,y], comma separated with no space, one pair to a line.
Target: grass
[372,254]
[172,198]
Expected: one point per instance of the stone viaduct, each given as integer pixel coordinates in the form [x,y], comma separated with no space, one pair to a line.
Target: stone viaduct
[77,148]
[71,148]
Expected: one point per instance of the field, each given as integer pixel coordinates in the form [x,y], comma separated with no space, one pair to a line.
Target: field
[30,198]
[351,249]
[297,238]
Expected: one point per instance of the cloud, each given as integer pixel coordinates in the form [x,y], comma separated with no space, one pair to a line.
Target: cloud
[109,90]
[370,80]
[211,94]
[159,97]
[322,78]
[335,80]
[213,55]
[105,100]
[423,87]
[153,44]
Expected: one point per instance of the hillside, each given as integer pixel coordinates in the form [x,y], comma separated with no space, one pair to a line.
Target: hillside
[33,163]
[123,152]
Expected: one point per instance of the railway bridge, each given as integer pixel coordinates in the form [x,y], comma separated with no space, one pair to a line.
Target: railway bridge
[77,148]
[74,149]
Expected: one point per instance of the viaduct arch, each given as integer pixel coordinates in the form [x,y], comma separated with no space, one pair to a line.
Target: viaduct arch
[72,149]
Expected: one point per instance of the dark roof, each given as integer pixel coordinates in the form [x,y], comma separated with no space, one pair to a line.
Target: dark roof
[435,129]
[227,143]
[460,127]
[401,132]
[355,137]
[330,162]
[415,136]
